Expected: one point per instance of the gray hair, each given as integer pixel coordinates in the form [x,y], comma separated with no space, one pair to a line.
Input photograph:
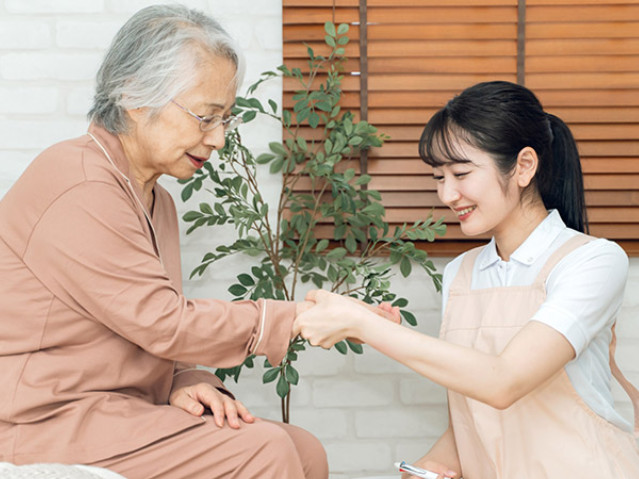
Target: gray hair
[152,59]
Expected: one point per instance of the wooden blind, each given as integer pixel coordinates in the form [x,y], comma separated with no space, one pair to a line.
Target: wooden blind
[580,57]
[582,60]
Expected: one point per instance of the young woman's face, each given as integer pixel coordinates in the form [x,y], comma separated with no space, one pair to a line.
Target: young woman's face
[484,200]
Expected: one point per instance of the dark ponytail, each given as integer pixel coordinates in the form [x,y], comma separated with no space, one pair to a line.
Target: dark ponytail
[560,181]
[502,118]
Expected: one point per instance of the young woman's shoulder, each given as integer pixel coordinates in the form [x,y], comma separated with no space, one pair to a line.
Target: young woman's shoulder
[599,254]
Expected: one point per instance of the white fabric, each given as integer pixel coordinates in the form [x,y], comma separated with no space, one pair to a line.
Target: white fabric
[584,295]
[54,471]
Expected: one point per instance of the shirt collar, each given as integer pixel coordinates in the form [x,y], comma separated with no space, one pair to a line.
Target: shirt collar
[532,248]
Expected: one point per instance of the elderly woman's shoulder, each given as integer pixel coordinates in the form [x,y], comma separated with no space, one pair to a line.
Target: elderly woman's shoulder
[71,161]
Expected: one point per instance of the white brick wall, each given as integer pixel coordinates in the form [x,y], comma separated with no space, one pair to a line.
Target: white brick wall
[367,410]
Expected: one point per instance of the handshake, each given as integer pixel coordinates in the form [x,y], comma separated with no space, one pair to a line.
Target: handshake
[326,318]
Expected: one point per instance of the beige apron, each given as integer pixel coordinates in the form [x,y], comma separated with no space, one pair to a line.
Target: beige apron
[549,433]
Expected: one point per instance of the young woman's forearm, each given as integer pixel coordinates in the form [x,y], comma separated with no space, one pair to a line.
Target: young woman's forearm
[533,355]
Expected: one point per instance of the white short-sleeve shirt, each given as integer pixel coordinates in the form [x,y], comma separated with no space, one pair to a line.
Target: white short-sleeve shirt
[584,293]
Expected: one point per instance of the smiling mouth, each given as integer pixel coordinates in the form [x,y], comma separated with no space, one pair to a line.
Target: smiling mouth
[464,211]
[196,160]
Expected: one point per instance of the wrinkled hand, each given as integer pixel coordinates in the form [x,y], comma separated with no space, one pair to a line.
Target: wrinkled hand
[195,399]
[387,311]
[330,320]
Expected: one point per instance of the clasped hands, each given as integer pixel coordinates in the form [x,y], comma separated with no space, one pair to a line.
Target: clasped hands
[323,319]
[327,318]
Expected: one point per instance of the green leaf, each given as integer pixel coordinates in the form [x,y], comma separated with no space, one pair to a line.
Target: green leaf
[264,158]
[270,375]
[292,376]
[337,253]
[248,116]
[355,347]
[237,290]
[314,120]
[409,317]
[301,142]
[350,243]
[246,279]
[286,116]
[206,208]
[405,267]
[277,148]
[276,166]
[255,103]
[282,387]
[342,29]
[401,302]
[187,192]
[329,27]
[273,105]
[355,140]
[191,216]
[341,347]
[321,245]
[330,41]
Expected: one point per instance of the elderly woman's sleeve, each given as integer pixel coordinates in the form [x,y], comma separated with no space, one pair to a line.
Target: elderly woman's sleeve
[90,250]
[186,375]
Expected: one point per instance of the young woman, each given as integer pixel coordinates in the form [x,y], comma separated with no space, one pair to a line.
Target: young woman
[527,339]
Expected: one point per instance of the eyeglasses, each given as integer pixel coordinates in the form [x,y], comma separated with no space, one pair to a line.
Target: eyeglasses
[208,123]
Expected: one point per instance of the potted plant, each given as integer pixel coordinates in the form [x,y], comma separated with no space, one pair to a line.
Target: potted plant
[328,227]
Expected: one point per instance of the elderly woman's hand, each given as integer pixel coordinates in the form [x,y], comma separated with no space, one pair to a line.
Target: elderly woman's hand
[332,319]
[195,399]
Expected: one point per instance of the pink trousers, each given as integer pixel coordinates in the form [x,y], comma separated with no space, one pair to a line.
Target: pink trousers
[264,449]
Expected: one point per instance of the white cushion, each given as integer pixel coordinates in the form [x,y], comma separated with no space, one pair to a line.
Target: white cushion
[55,471]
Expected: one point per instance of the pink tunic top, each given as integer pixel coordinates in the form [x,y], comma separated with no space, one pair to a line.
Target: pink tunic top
[95,331]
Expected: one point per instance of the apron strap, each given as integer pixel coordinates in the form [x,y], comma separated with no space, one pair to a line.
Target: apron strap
[627,386]
[564,250]
[462,280]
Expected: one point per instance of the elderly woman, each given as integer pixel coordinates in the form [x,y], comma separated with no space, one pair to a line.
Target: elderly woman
[98,340]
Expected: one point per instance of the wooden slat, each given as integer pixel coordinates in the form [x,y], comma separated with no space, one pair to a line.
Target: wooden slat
[412,82]
[319,16]
[582,46]
[297,50]
[423,65]
[610,165]
[585,98]
[440,3]
[311,4]
[577,114]
[612,198]
[607,30]
[485,64]
[579,3]
[585,13]
[442,32]
[312,32]
[438,48]
[445,15]
[584,63]
[544,81]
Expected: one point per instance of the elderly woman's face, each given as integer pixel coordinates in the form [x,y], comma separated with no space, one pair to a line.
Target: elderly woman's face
[172,143]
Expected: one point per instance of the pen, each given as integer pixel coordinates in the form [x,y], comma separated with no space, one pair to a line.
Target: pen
[415,471]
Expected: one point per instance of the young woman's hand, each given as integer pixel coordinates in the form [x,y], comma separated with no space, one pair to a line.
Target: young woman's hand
[333,318]
[197,398]
[444,471]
